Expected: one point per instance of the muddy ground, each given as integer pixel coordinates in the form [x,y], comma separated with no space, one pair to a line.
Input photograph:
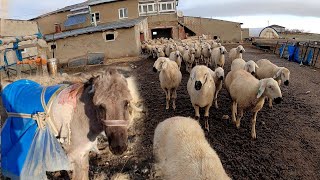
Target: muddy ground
[288,136]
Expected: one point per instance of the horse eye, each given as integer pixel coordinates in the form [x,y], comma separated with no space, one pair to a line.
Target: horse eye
[102,112]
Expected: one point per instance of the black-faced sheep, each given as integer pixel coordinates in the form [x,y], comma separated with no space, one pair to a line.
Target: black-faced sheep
[182,152]
[248,93]
[201,88]
[249,66]
[235,53]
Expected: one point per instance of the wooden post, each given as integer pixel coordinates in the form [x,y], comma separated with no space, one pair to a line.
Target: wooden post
[314,64]
[275,48]
[284,48]
[305,53]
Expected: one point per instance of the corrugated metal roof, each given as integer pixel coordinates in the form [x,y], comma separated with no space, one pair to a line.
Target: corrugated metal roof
[95,2]
[79,5]
[114,25]
[77,19]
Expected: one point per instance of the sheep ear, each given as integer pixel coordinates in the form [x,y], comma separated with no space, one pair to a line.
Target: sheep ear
[246,67]
[164,65]
[256,66]
[262,88]
[277,74]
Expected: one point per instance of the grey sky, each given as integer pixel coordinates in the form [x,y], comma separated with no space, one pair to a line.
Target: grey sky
[221,8]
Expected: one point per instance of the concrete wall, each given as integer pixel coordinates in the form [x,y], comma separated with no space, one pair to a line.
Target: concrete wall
[17,28]
[109,12]
[245,33]
[124,45]
[228,31]
[164,21]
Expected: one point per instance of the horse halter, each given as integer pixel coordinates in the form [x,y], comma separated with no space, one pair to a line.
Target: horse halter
[116,123]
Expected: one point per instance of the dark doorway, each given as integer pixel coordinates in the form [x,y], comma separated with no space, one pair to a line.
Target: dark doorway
[159,33]
[142,37]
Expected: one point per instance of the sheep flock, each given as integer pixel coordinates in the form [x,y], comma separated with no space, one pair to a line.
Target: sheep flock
[249,83]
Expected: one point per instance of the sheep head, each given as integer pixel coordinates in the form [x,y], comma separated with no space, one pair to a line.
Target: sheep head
[240,49]
[270,88]
[219,73]
[283,74]
[199,75]
[222,50]
[160,64]
[250,67]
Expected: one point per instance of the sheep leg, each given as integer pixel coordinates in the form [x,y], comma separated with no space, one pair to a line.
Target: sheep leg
[253,130]
[234,111]
[197,114]
[216,99]
[240,115]
[206,117]
[167,98]
[174,97]
[270,103]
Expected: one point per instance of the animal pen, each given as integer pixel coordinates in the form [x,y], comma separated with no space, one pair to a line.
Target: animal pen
[306,53]
[16,64]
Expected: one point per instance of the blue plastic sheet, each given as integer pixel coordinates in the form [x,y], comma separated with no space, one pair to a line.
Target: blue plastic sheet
[26,151]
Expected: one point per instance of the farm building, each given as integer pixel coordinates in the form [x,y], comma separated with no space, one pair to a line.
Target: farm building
[266,33]
[105,25]
[279,29]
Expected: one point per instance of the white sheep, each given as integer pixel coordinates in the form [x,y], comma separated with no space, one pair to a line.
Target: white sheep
[188,58]
[197,54]
[270,70]
[235,53]
[170,78]
[169,48]
[249,66]
[201,89]
[248,93]
[176,57]
[160,52]
[182,152]
[218,56]
[206,53]
[218,77]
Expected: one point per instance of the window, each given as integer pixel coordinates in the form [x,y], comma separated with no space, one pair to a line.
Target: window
[154,33]
[95,17]
[147,8]
[110,37]
[123,13]
[167,6]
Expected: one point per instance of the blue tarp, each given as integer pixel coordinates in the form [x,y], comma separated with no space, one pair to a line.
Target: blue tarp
[76,19]
[295,54]
[22,142]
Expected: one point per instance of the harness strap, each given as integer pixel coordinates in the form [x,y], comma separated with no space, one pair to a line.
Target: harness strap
[47,107]
[40,117]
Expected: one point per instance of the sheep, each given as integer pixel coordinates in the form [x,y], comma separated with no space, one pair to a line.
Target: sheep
[218,77]
[218,56]
[248,93]
[170,78]
[201,89]
[188,57]
[235,53]
[182,152]
[176,57]
[169,48]
[250,66]
[269,70]
[197,54]
[160,52]
[206,53]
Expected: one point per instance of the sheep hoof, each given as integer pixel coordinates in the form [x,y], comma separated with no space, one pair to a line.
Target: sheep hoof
[197,118]
[254,136]
[271,107]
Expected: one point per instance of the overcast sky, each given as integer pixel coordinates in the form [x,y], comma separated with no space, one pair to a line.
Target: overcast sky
[301,14]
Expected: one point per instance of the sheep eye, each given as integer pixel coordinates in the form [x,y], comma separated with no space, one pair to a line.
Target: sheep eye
[126,104]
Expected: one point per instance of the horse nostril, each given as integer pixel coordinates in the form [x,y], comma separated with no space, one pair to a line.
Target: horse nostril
[198,85]
[286,83]
[154,69]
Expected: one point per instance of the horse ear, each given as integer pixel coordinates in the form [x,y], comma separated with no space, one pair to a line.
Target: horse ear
[262,88]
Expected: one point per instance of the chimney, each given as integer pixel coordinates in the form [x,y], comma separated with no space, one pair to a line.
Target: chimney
[57,27]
